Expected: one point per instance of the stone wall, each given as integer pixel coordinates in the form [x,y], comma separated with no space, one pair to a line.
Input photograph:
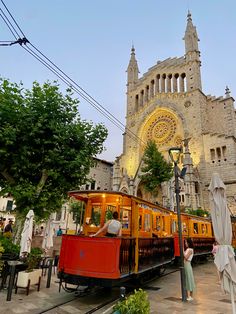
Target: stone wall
[55,250]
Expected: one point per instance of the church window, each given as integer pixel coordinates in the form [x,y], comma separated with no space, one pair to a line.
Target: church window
[182,82]
[147,93]
[163,83]
[169,83]
[157,83]
[175,83]
[196,184]
[136,102]
[93,185]
[224,152]
[141,97]
[152,88]
[218,153]
[213,155]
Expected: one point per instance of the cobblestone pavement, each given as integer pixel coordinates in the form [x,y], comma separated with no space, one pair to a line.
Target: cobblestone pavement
[208,297]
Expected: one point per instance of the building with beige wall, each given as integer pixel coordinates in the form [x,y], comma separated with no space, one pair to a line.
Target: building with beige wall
[167,104]
[99,178]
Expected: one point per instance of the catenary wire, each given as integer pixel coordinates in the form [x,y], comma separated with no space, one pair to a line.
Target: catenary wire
[71,81]
[4,19]
[67,83]
[13,19]
[67,80]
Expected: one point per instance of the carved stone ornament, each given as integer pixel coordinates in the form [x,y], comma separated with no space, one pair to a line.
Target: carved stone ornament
[187,104]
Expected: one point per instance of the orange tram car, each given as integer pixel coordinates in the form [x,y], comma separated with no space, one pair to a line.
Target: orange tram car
[149,240]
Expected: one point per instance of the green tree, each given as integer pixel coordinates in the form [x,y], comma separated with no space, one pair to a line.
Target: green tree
[77,209]
[155,169]
[45,147]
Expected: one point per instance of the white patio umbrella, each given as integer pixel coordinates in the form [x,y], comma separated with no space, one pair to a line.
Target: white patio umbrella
[224,259]
[48,235]
[26,235]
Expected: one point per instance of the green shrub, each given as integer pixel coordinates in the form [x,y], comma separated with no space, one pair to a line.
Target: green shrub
[136,303]
[34,258]
[9,246]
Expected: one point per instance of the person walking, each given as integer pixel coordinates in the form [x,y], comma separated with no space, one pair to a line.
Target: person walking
[59,231]
[7,232]
[215,248]
[113,227]
[188,255]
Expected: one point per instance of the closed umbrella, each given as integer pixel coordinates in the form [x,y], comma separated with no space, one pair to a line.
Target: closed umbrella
[48,235]
[26,235]
[224,259]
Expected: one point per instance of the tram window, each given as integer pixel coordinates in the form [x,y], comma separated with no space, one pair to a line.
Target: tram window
[173,226]
[125,219]
[158,224]
[96,215]
[147,222]
[203,228]
[195,228]
[163,223]
[140,222]
[184,228]
[110,209]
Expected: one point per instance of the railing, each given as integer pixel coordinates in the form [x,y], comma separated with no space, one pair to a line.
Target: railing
[202,246]
[127,255]
[154,252]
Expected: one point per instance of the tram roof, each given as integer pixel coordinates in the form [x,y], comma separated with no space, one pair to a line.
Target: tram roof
[86,194]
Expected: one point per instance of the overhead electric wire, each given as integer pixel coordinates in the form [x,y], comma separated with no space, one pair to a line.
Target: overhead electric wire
[67,83]
[63,76]
[13,18]
[6,21]
[90,97]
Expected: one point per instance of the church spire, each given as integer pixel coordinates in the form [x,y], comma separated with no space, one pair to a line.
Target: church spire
[192,56]
[132,70]
[191,38]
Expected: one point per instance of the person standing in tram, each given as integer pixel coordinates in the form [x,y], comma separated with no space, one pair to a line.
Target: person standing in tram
[113,227]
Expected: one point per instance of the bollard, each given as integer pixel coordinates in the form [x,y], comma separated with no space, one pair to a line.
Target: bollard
[122,292]
[11,282]
[49,273]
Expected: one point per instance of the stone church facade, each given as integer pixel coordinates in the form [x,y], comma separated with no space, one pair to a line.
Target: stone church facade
[167,105]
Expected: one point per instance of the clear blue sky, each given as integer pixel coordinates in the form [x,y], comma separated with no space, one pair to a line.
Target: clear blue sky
[91,42]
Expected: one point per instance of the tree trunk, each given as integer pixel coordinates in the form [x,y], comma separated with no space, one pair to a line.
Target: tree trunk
[18,230]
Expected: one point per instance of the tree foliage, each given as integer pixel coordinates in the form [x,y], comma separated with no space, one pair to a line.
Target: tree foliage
[45,147]
[77,209]
[197,212]
[155,168]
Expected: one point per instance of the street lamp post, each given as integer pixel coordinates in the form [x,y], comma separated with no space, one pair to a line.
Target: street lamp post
[174,154]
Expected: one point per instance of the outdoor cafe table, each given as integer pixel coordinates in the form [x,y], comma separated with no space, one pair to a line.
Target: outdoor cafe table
[13,265]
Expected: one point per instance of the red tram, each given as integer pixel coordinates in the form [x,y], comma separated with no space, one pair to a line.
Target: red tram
[149,240]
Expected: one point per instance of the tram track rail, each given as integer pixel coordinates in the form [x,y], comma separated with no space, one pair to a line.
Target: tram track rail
[129,289]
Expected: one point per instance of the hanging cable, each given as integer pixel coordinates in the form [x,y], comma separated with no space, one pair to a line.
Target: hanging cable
[8,25]
[13,19]
[44,60]
[68,84]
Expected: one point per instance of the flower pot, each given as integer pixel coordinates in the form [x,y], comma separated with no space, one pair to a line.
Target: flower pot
[25,279]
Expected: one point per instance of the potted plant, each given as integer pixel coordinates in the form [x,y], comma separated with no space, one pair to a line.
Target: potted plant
[136,303]
[32,275]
